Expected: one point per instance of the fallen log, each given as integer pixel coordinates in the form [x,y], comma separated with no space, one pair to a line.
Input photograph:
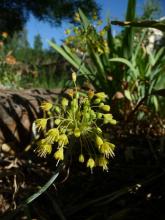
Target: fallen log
[18,109]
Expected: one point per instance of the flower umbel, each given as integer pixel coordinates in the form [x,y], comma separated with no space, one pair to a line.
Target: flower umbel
[75,127]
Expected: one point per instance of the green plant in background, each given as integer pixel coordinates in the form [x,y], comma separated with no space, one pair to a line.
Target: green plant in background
[76,131]
[119,64]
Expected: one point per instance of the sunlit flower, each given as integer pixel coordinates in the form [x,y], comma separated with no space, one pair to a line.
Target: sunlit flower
[43,148]
[52,135]
[59,154]
[63,140]
[77,132]
[46,106]
[41,123]
[103,162]
[91,163]
[98,141]
[107,149]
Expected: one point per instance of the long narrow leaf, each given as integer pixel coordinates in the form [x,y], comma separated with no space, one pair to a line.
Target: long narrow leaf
[84,19]
[128,32]
[125,61]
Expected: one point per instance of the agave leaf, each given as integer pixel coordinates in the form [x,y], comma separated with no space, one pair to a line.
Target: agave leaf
[127,62]
[72,58]
[128,32]
[160,25]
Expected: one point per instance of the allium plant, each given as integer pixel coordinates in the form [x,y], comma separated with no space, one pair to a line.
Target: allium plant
[77,128]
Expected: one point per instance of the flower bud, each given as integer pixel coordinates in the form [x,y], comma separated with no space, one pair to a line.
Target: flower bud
[92,114]
[74,104]
[74,77]
[98,141]
[81,158]
[97,101]
[99,115]
[105,108]
[77,132]
[57,121]
[64,102]
[59,154]
[113,122]
[91,163]
[99,131]
[57,109]
[101,95]
[63,140]
[107,118]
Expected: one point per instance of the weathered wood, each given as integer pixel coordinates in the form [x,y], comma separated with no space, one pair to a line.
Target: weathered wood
[18,109]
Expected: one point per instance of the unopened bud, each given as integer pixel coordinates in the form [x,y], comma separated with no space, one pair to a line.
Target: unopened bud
[74,77]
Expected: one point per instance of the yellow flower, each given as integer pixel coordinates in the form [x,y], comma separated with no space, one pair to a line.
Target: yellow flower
[52,135]
[103,162]
[107,149]
[63,140]
[81,158]
[98,141]
[91,163]
[46,106]
[59,154]
[43,148]
[77,132]
[105,108]
[41,123]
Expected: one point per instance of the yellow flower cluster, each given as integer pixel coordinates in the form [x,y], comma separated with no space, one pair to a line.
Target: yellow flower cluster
[79,37]
[76,128]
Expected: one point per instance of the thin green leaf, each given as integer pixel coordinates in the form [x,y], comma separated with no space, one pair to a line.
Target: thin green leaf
[125,61]
[84,19]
